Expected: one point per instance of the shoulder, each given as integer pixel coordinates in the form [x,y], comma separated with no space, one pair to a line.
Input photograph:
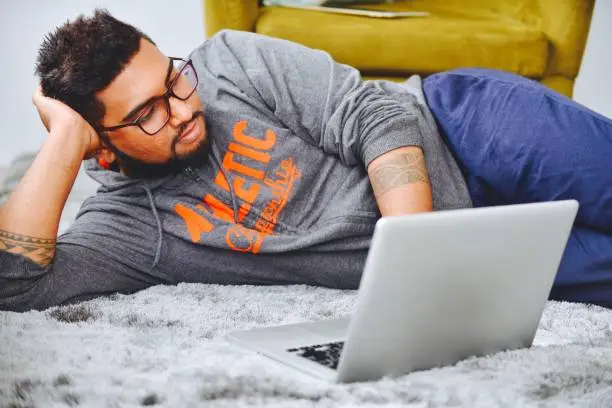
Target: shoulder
[242,42]
[224,37]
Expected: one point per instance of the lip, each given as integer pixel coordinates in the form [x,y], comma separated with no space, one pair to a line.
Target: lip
[190,133]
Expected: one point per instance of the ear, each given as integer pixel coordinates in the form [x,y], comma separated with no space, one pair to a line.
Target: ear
[106,154]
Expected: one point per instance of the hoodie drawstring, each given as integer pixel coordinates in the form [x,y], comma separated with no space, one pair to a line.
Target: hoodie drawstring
[160,235]
[217,161]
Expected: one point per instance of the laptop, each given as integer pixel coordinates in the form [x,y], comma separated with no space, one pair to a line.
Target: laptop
[436,288]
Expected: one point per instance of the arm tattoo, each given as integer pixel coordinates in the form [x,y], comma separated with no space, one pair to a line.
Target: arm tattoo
[39,250]
[397,171]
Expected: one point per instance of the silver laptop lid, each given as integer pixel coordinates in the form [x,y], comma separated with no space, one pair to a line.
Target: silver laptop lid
[442,286]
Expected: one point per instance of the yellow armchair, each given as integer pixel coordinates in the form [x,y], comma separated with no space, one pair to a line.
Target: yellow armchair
[540,39]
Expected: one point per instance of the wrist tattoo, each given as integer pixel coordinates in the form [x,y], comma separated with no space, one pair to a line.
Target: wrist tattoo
[399,170]
[39,250]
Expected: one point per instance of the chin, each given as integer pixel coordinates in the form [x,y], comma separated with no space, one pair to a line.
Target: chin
[185,151]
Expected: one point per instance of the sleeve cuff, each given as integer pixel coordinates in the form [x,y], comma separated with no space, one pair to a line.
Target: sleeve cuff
[390,136]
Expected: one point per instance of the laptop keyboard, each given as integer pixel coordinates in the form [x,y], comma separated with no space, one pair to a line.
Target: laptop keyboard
[327,354]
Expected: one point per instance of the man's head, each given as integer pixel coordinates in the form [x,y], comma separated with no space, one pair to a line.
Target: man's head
[113,74]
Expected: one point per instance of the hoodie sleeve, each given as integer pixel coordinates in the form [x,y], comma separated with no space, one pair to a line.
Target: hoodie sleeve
[93,258]
[321,101]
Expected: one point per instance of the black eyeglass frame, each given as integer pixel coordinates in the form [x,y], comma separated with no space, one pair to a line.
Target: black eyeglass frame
[166,97]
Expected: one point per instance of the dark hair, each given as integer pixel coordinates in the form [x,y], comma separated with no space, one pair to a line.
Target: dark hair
[82,57]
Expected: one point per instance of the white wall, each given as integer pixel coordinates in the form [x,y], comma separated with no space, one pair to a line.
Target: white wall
[594,83]
[177,27]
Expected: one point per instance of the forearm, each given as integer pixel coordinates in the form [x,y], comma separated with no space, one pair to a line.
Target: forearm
[400,182]
[29,220]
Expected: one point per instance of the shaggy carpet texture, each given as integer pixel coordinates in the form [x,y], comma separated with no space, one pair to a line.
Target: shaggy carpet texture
[165,347]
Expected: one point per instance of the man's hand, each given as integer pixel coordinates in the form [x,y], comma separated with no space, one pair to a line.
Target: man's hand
[400,182]
[59,118]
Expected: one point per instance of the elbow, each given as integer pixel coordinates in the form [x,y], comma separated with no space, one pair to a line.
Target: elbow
[22,285]
[17,295]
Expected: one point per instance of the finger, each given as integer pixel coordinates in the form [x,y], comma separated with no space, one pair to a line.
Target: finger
[36,94]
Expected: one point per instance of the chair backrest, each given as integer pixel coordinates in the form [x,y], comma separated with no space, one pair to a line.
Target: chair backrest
[565,23]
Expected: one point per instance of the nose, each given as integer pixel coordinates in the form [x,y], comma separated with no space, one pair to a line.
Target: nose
[180,112]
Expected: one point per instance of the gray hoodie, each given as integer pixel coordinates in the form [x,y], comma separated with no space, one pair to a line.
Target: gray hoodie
[283,198]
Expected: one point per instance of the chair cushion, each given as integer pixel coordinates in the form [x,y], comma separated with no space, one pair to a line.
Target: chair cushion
[413,45]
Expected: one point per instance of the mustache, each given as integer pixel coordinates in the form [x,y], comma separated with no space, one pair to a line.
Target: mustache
[194,116]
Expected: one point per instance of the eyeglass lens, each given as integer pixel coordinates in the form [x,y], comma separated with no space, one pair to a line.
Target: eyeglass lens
[156,115]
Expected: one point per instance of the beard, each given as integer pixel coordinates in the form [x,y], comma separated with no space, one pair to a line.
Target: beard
[136,168]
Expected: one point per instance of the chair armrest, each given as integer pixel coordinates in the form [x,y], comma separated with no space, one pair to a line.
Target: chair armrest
[566,24]
[234,14]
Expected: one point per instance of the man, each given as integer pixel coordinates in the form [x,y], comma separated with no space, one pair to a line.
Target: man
[259,161]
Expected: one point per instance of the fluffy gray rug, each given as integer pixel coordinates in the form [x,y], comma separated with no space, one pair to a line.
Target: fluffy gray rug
[164,347]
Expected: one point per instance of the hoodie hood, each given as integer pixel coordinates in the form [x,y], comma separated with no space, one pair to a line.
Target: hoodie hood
[116,182]
[112,181]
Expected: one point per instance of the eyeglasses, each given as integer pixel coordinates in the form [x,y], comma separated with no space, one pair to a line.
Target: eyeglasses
[153,116]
